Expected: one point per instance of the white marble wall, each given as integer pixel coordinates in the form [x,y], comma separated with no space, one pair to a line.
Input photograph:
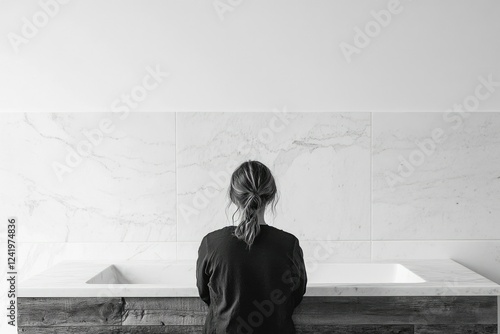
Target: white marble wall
[119,200]
[446,203]
[155,183]
[321,162]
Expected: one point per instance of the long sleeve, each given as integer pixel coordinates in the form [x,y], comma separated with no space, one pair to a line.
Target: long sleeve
[202,275]
[235,281]
[299,273]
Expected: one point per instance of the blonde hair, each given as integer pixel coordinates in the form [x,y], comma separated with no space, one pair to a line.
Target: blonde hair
[252,188]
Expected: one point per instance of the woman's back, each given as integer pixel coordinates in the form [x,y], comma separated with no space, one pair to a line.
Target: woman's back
[250,290]
[251,275]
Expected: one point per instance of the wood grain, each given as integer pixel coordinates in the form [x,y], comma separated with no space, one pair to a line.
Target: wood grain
[163,317]
[367,315]
[71,330]
[69,311]
[164,311]
[162,329]
[456,329]
[397,310]
[112,330]
[355,329]
[165,303]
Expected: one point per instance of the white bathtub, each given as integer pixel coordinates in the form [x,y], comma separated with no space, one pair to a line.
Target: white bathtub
[177,279]
[183,275]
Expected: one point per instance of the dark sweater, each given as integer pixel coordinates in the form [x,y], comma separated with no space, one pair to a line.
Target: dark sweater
[250,291]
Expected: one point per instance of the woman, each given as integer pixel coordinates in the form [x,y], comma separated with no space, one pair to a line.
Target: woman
[252,275]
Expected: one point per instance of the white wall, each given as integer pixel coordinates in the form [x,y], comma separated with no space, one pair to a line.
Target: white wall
[445,203]
[264,54]
[118,201]
[153,185]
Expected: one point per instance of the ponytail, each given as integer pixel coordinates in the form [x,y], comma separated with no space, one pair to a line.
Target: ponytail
[252,188]
[249,226]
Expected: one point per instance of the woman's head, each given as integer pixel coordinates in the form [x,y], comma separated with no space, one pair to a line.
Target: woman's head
[252,188]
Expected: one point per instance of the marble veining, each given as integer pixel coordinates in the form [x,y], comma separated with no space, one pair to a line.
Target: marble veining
[449,190]
[122,189]
[320,156]
[156,183]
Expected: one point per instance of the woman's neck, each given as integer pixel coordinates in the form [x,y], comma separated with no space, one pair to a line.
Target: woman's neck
[260,217]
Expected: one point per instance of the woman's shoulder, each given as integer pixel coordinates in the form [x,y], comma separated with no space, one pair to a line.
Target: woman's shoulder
[281,232]
[226,230]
